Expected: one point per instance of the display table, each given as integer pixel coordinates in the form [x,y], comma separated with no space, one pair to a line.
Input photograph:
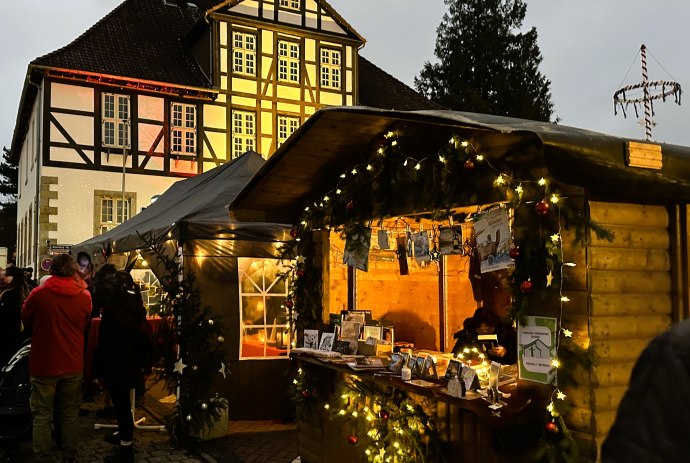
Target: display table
[469,430]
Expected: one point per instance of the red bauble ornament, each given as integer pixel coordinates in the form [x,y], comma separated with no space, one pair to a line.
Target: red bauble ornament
[300,273]
[542,207]
[294,233]
[305,393]
[469,164]
[552,427]
[514,253]
[289,304]
[352,439]
[384,415]
[526,287]
[350,206]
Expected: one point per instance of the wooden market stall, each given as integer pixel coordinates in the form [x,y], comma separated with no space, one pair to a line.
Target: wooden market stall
[235,268]
[575,187]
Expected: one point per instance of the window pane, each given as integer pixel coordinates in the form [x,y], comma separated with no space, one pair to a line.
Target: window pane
[250,63]
[123,108]
[109,133]
[106,210]
[238,65]
[109,106]
[177,115]
[189,143]
[253,312]
[177,140]
[275,310]
[190,117]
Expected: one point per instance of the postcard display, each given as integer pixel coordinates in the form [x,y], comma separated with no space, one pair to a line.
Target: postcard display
[490,229]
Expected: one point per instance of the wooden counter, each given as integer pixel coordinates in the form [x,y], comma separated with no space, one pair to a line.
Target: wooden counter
[469,429]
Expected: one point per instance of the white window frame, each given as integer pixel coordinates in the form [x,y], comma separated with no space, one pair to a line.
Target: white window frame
[243,132]
[108,209]
[263,293]
[331,73]
[182,128]
[115,120]
[244,53]
[287,125]
[290,4]
[288,61]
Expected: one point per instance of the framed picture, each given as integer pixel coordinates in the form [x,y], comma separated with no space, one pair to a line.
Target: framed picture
[373,332]
[349,329]
[429,368]
[419,365]
[397,362]
[327,341]
[469,376]
[359,317]
[453,370]
[311,339]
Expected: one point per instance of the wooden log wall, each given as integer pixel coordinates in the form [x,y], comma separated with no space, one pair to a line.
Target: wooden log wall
[620,299]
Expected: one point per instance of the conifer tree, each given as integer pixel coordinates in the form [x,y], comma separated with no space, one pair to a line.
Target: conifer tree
[8,201]
[485,63]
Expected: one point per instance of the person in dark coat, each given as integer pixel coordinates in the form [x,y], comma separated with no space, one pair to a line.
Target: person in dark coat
[11,300]
[485,321]
[122,351]
[653,420]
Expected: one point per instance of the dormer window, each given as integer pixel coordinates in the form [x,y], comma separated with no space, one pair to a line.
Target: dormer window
[291,4]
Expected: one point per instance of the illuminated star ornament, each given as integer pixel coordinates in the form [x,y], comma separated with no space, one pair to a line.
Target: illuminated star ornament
[549,279]
[223,371]
[300,259]
[179,366]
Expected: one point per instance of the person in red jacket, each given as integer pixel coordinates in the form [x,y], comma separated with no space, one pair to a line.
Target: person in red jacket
[57,315]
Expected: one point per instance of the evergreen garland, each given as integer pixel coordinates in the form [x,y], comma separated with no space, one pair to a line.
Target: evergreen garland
[387,424]
[190,329]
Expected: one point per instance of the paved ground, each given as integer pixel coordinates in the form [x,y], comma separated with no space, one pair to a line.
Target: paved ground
[247,441]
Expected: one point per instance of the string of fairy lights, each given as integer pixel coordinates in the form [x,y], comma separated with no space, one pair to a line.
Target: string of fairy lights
[543,196]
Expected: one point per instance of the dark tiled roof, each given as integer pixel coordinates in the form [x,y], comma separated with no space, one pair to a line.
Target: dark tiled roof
[140,39]
[378,89]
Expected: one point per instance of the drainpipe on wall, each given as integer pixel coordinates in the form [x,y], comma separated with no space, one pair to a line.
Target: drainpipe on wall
[35,245]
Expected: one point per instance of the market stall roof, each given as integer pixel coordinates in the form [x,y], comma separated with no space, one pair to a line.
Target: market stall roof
[336,138]
[197,209]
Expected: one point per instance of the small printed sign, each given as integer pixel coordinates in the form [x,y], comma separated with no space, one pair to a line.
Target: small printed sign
[55,249]
[537,349]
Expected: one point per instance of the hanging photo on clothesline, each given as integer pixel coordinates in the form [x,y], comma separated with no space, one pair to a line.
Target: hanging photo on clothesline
[356,253]
[493,236]
[421,246]
[450,240]
[382,236]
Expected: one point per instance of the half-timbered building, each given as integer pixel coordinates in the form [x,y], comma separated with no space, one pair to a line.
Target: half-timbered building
[160,90]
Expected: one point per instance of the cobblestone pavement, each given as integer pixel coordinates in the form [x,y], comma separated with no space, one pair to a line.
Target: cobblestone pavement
[247,441]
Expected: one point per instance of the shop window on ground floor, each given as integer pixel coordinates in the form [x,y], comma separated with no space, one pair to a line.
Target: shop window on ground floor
[264,323]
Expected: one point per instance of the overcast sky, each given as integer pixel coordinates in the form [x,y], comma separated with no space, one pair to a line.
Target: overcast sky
[588,48]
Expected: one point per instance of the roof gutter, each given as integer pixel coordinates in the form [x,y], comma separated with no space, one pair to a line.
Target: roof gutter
[119,81]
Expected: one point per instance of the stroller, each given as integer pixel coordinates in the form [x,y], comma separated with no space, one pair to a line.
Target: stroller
[15,412]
